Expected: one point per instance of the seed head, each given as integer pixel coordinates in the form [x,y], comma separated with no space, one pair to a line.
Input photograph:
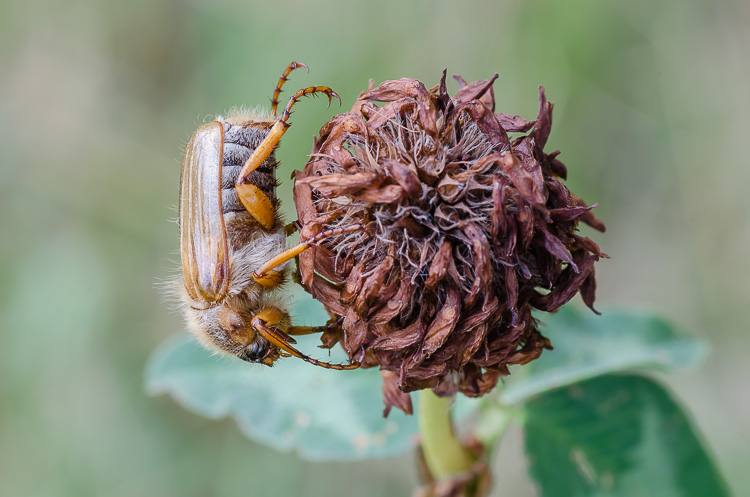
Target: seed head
[465,227]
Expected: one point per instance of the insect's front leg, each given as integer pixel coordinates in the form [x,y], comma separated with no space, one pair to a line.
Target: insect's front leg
[333,324]
[264,325]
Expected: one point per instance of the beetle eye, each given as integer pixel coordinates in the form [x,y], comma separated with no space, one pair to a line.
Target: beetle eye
[252,353]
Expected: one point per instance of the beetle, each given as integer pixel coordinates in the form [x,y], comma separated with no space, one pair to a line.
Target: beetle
[232,237]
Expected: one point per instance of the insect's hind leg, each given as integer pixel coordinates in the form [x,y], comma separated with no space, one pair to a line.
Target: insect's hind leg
[255,201]
[266,276]
[278,129]
[283,79]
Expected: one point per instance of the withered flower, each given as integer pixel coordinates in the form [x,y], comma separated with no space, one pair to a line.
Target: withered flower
[464,229]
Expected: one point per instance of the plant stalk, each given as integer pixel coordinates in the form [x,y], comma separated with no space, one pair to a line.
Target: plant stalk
[442,451]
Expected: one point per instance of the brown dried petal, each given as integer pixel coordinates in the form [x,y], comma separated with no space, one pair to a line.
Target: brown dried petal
[377,117]
[361,101]
[500,221]
[588,217]
[587,244]
[470,345]
[588,291]
[399,339]
[487,123]
[439,265]
[557,167]
[392,396]
[527,180]
[389,91]
[511,289]
[567,285]
[450,189]
[543,120]
[372,284]
[557,248]
[336,132]
[404,176]
[356,331]
[353,283]
[443,324]
[569,213]
[482,262]
[476,91]
[327,295]
[303,199]
[512,123]
[386,195]
[342,184]
[395,305]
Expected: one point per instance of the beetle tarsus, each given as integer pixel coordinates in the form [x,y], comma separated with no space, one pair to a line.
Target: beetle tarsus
[305,92]
[283,79]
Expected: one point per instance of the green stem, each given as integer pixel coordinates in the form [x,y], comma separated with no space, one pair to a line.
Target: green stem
[443,453]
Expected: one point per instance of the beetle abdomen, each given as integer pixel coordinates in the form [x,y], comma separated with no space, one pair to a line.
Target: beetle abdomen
[239,143]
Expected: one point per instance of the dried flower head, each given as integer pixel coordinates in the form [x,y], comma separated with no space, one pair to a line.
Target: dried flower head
[464,230]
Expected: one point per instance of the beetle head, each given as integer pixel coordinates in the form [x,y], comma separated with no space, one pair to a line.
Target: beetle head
[223,328]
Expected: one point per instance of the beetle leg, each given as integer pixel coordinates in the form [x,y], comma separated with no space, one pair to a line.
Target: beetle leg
[291,228]
[278,129]
[309,330]
[257,204]
[310,90]
[266,276]
[283,79]
[264,327]
[254,200]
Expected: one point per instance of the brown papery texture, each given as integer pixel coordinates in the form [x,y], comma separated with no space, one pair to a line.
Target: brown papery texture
[466,227]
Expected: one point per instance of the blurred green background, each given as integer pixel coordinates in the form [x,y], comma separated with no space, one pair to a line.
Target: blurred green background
[98,98]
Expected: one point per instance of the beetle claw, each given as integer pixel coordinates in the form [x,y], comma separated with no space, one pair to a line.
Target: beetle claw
[330,98]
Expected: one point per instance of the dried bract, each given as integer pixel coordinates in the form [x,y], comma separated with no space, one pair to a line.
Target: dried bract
[474,482]
[464,229]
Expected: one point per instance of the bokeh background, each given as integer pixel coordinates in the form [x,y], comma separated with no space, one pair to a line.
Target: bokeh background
[98,98]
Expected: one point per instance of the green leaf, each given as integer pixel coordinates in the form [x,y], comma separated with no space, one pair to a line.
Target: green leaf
[616,436]
[587,345]
[322,414]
